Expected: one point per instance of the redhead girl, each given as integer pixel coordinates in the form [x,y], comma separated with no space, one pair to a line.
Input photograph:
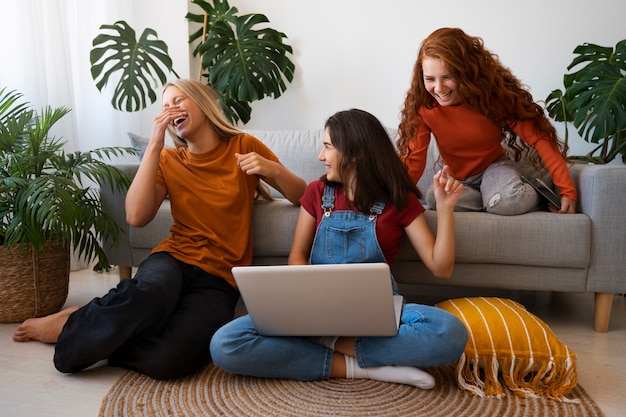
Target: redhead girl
[463,96]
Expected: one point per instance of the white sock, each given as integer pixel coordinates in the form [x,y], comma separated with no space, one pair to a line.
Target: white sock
[398,374]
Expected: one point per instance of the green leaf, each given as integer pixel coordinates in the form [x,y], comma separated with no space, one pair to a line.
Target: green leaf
[243,63]
[594,100]
[43,192]
[141,64]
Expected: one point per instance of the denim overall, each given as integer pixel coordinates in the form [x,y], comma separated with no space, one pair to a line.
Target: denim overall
[427,336]
[347,236]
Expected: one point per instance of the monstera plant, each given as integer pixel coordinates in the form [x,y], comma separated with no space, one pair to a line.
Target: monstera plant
[594,100]
[240,60]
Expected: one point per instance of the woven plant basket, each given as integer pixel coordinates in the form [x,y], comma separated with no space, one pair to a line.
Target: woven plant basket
[33,284]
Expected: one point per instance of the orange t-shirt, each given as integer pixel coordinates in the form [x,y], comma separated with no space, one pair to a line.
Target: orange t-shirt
[469,142]
[211,201]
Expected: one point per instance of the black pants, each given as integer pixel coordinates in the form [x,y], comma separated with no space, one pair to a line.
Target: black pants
[159,323]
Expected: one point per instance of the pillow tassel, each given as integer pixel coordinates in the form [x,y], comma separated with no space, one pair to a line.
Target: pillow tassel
[492,384]
[464,374]
[566,381]
[468,376]
[514,372]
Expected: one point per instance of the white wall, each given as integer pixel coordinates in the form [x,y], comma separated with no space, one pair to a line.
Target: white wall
[360,53]
[348,53]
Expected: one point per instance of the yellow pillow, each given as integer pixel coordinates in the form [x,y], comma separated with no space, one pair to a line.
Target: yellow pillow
[504,336]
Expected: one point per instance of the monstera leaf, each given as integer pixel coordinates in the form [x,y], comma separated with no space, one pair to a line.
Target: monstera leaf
[241,62]
[594,100]
[140,62]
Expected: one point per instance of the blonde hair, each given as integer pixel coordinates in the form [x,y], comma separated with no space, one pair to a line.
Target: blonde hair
[209,103]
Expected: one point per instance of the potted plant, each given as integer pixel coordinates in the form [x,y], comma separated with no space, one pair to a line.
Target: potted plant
[47,207]
[594,100]
[241,62]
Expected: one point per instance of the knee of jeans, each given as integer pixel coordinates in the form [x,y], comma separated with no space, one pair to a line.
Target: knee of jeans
[459,334]
[219,354]
[228,344]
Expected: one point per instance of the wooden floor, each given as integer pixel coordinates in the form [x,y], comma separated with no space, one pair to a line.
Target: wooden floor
[31,387]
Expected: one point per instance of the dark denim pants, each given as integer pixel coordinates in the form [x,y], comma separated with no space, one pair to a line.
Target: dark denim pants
[159,323]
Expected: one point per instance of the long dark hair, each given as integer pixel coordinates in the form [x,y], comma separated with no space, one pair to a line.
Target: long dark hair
[367,150]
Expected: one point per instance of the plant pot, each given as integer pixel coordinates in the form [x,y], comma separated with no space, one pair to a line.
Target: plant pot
[33,284]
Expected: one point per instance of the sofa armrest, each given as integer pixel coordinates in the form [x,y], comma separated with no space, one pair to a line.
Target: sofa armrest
[602,197]
[113,203]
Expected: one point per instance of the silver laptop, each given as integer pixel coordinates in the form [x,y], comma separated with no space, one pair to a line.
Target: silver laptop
[320,300]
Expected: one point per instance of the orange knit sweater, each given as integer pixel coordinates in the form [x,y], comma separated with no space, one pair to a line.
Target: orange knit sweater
[469,142]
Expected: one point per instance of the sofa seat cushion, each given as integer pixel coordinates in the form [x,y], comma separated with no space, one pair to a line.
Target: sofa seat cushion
[532,239]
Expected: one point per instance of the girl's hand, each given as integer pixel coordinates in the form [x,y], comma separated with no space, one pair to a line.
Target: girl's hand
[567,206]
[447,189]
[162,121]
[254,164]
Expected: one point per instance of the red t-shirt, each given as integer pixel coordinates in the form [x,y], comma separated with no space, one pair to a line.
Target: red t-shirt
[389,225]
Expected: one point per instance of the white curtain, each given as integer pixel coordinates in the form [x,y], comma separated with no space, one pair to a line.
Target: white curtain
[44,54]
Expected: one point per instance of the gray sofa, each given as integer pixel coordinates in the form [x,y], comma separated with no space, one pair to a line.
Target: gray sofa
[583,252]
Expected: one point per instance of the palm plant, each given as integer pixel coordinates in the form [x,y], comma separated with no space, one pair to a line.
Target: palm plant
[241,62]
[594,100]
[44,192]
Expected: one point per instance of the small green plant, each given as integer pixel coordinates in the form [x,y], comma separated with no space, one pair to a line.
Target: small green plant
[44,192]
[241,61]
[594,100]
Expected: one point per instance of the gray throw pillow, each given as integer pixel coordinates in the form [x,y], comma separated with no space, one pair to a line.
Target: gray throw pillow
[139,143]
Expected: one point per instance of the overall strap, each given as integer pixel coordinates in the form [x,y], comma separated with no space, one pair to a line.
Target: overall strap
[376,209]
[328,200]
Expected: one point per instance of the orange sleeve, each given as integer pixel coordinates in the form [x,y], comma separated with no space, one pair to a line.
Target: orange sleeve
[418,146]
[551,158]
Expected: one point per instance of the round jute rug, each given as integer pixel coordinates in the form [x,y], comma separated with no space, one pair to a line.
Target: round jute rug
[214,392]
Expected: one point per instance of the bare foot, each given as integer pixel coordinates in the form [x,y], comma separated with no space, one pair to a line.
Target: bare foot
[43,329]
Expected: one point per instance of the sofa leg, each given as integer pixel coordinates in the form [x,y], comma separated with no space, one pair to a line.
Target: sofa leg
[602,311]
[125,271]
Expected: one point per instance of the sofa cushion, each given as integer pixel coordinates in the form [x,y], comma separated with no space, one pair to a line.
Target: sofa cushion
[139,143]
[532,239]
[298,150]
[273,225]
[306,144]
[149,236]
[505,338]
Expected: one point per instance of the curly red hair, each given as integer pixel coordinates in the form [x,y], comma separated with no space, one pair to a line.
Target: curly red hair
[484,84]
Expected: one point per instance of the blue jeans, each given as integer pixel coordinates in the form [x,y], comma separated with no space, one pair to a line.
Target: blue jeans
[428,336]
[159,323]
